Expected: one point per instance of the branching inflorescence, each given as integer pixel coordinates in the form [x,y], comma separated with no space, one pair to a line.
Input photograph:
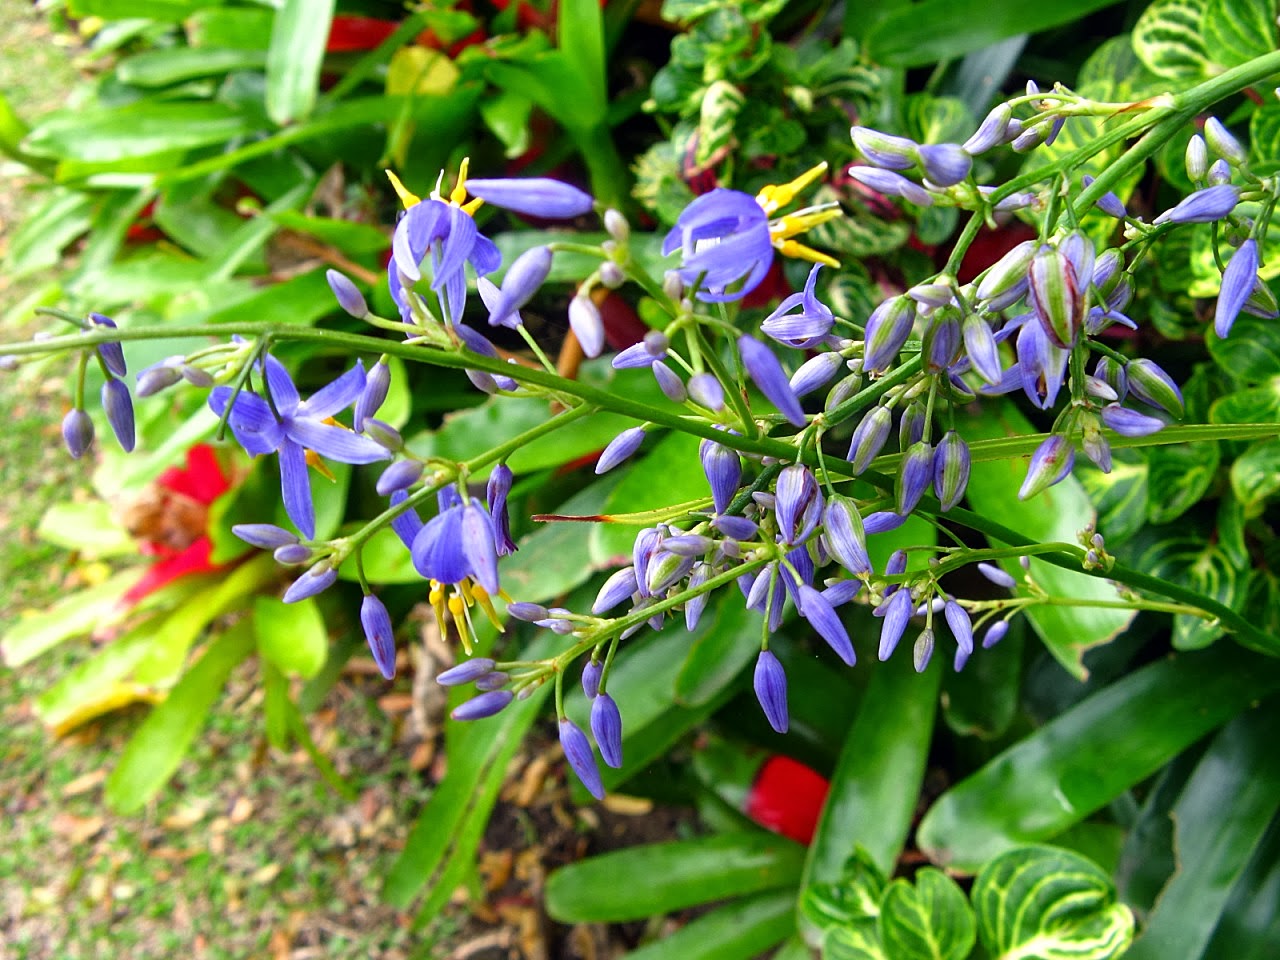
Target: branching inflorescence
[786,523]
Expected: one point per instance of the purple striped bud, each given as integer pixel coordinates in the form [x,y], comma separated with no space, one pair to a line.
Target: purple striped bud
[767,373]
[723,468]
[1056,297]
[815,372]
[1112,374]
[815,608]
[157,377]
[1030,138]
[931,294]
[606,727]
[1222,143]
[642,551]
[688,545]
[980,346]
[770,684]
[77,432]
[611,275]
[842,591]
[384,434]
[883,149]
[635,356]
[490,296]
[1008,271]
[1100,389]
[914,476]
[911,424]
[990,132]
[869,438]
[892,185]
[266,536]
[1219,173]
[735,528]
[1051,462]
[665,570]
[525,275]
[529,612]
[380,635]
[466,672]
[492,681]
[591,674]
[845,388]
[945,164]
[483,706]
[316,580]
[293,555]
[112,353]
[1203,206]
[951,469]
[942,344]
[960,624]
[897,612]
[586,323]
[995,633]
[376,385]
[1197,158]
[922,652]
[1238,281]
[1130,423]
[399,476]
[896,564]
[539,197]
[697,605]
[669,382]
[706,391]
[577,750]
[1108,203]
[347,294]
[846,539]
[1153,386]
[119,407]
[619,449]
[796,490]
[997,576]
[619,587]
[882,521]
[888,328]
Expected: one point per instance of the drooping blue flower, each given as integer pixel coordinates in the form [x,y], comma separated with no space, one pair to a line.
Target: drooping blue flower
[445,234]
[808,327]
[379,634]
[770,683]
[296,426]
[458,544]
[606,727]
[766,371]
[1238,281]
[724,239]
[577,750]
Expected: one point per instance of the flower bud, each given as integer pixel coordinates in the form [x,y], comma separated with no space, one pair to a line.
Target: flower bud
[540,197]
[1094,444]
[1056,297]
[995,633]
[892,185]
[990,132]
[767,374]
[619,587]
[980,346]
[951,469]
[897,612]
[577,750]
[922,652]
[379,634]
[669,382]
[158,377]
[77,432]
[942,343]
[384,434]
[914,475]
[347,294]
[293,554]
[815,372]
[1238,281]
[1222,143]
[611,275]
[606,727]
[119,408]
[1153,386]
[1197,159]
[845,537]
[1108,203]
[944,164]
[961,625]
[374,394]
[1050,463]
[664,570]
[587,324]
[1008,271]
[706,391]
[483,706]
[592,671]
[884,150]
[845,388]
[316,580]
[770,684]
[1219,173]
[525,275]
[869,438]
[266,536]
[619,449]
[673,285]
[887,330]
[529,612]
[997,576]
[1130,423]
[399,476]
[466,672]
[1203,206]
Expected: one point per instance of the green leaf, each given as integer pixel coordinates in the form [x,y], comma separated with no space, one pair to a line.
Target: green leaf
[1169,39]
[1052,904]
[102,135]
[1255,476]
[659,878]
[1239,30]
[1219,818]
[1120,496]
[580,25]
[1252,353]
[292,636]
[91,527]
[1249,928]
[1264,141]
[981,699]
[722,102]
[852,900]
[298,37]
[876,784]
[160,68]
[352,238]
[1076,764]
[46,231]
[1256,405]
[917,34]
[716,656]
[174,10]
[1195,562]
[76,614]
[275,705]
[1183,473]
[1057,514]
[244,28]
[930,920]
[741,930]
[154,752]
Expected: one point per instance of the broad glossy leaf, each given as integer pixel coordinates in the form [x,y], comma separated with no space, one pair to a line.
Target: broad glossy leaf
[1169,39]
[1057,514]
[1249,928]
[298,37]
[1220,817]
[1052,904]
[160,68]
[1195,562]
[1255,476]
[659,878]
[741,930]
[876,785]
[1075,764]
[1252,353]
[141,129]
[1120,496]
[243,28]
[927,920]
[154,752]
[1182,473]
[1239,30]
[1260,404]
[850,901]
[91,527]
[292,636]
[39,239]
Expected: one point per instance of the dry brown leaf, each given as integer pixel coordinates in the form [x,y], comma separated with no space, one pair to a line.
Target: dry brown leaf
[241,810]
[396,703]
[84,783]
[627,806]
[77,829]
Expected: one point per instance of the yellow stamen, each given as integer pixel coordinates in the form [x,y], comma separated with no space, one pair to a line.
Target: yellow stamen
[775,196]
[472,205]
[794,248]
[435,596]
[785,227]
[407,198]
[482,599]
[459,194]
[465,588]
[318,465]
[459,611]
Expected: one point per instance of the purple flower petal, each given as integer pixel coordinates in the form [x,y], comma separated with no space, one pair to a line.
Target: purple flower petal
[533,196]
[770,683]
[379,634]
[295,488]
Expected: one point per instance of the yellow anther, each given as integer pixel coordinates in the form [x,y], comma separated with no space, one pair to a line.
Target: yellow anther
[485,604]
[775,196]
[794,248]
[792,224]
[459,194]
[459,611]
[466,588]
[318,465]
[407,198]
[472,205]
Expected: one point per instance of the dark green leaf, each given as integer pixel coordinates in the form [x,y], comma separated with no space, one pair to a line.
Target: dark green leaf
[1255,476]
[741,930]
[1182,472]
[852,900]
[1052,904]
[1169,39]
[1075,764]
[1259,404]
[930,920]
[1252,353]
[1264,142]
[298,37]
[157,748]
[1249,928]
[1221,815]
[103,135]
[659,878]
[160,68]
[1120,496]
[980,700]
[1239,30]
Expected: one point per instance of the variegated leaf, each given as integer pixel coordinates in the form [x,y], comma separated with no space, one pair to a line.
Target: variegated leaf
[1169,40]
[1239,30]
[930,920]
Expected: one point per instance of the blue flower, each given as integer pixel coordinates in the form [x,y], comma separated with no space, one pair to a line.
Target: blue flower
[297,426]
[458,545]
[805,329]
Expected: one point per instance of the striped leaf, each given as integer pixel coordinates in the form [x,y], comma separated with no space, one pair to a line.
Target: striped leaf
[930,920]
[1255,477]
[1169,39]
[1239,30]
[1120,497]
[721,105]
[1049,903]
